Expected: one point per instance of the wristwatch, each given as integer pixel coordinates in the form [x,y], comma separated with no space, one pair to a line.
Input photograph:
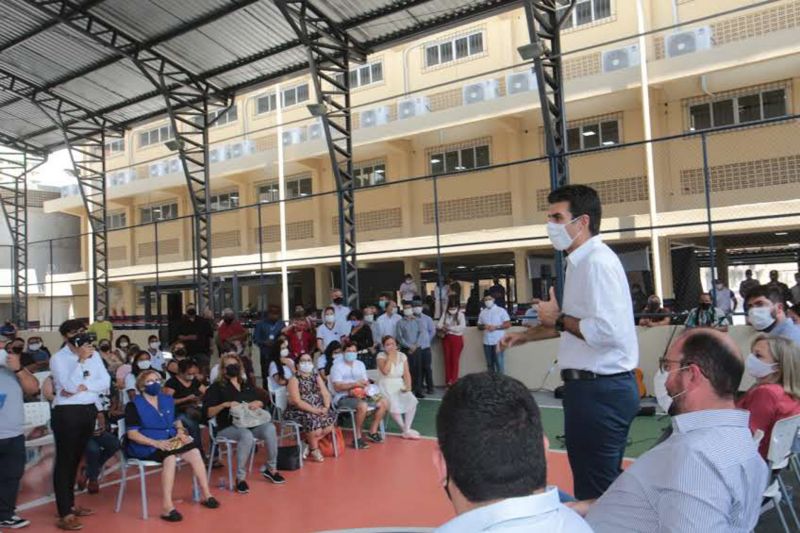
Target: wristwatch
[559,325]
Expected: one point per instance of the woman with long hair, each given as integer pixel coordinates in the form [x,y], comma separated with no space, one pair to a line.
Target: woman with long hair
[310,405]
[395,384]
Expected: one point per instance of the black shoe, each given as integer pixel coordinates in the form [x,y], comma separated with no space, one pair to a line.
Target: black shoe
[419,395]
[276,478]
[15,522]
[429,391]
[242,487]
[211,503]
[172,516]
[375,437]
[362,444]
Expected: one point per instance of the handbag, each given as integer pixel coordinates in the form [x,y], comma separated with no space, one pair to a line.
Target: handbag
[326,443]
[289,458]
[244,417]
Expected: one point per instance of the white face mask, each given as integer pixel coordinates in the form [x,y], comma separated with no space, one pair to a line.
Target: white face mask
[34,347]
[559,236]
[760,317]
[489,304]
[660,389]
[452,311]
[306,367]
[144,364]
[758,368]
[123,345]
[330,318]
[417,310]
[408,312]
[284,352]
[369,319]
[155,345]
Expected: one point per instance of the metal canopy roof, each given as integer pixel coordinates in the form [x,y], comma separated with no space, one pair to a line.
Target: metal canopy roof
[232,44]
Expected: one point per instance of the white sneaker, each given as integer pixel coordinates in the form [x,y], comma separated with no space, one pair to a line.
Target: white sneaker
[15,522]
[306,451]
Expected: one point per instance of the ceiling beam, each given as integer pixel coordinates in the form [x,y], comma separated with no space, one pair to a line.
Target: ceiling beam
[53,21]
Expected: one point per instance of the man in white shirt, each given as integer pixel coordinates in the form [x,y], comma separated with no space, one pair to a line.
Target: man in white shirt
[341,310]
[599,348]
[492,461]
[79,377]
[386,324]
[408,289]
[493,320]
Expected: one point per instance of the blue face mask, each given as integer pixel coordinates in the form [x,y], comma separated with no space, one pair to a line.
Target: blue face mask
[152,389]
[350,356]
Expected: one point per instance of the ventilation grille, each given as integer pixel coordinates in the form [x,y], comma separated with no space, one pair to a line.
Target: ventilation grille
[226,239]
[117,253]
[37,198]
[165,247]
[295,231]
[373,220]
[745,175]
[617,191]
[266,143]
[579,67]
[492,205]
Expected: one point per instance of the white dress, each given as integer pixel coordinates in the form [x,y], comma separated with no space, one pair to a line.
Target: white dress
[392,386]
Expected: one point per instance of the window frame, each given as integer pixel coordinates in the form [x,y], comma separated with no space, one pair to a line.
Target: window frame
[441,158]
[375,167]
[157,131]
[120,216]
[110,149]
[358,82]
[451,44]
[272,102]
[222,117]
[291,181]
[161,206]
[601,141]
[231,198]
[294,90]
[571,21]
[709,105]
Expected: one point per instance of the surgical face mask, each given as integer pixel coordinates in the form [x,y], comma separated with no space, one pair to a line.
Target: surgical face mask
[409,280]
[34,347]
[417,310]
[369,319]
[155,345]
[350,356]
[452,311]
[153,388]
[663,397]
[489,304]
[559,236]
[760,317]
[144,364]
[306,367]
[758,368]
[382,304]
[284,352]
[408,311]
[123,344]
[330,318]
[719,286]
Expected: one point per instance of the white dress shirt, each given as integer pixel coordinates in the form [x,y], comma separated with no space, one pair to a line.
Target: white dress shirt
[596,292]
[706,477]
[387,325]
[342,324]
[542,513]
[453,324]
[69,374]
[494,316]
[342,372]
[329,335]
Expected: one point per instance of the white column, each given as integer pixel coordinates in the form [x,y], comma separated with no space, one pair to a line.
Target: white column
[282,208]
[648,150]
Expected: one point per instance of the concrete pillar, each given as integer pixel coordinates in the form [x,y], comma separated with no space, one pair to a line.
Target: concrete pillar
[721,261]
[667,283]
[524,293]
[322,283]
[411,266]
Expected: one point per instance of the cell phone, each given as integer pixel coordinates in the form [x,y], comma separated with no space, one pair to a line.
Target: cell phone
[80,339]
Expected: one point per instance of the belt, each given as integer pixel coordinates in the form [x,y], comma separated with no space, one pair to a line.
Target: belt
[571,374]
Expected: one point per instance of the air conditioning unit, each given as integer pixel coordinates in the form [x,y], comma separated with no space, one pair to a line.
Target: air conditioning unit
[121,177]
[413,107]
[173,166]
[688,42]
[481,91]
[520,82]
[159,168]
[375,116]
[621,58]
[294,136]
[70,190]
[241,149]
[215,155]
[315,131]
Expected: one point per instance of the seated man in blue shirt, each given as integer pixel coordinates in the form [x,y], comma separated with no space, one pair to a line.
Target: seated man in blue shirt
[491,460]
[707,476]
[766,312]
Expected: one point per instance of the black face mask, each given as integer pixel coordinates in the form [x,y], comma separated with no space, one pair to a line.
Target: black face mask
[79,340]
[233,370]
[228,320]
[338,301]
[180,352]
[705,306]
[105,347]
[17,349]
[191,312]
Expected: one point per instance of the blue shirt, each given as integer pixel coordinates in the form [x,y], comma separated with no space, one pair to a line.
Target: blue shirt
[542,513]
[427,330]
[787,329]
[706,477]
[267,331]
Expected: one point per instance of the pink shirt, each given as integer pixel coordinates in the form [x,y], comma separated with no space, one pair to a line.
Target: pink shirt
[767,404]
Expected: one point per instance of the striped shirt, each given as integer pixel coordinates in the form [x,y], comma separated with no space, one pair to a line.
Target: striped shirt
[706,477]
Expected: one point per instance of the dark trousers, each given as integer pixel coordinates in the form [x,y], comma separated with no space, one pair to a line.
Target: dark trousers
[597,416]
[100,449]
[12,466]
[426,377]
[73,426]
[192,426]
[415,368]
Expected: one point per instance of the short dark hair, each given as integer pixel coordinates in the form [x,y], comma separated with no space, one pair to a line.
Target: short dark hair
[355,314]
[185,364]
[583,200]
[773,294]
[70,325]
[490,434]
[720,364]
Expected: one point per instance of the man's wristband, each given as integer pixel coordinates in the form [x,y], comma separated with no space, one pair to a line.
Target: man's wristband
[559,325]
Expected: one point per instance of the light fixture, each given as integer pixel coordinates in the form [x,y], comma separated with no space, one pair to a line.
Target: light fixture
[781,233]
[588,133]
[173,144]
[459,167]
[434,161]
[317,110]
[379,171]
[530,51]
[608,143]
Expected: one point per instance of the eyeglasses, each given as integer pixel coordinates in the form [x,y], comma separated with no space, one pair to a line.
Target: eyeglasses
[664,363]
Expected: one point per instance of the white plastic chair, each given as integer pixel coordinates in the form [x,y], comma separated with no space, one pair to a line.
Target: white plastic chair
[41,377]
[780,452]
[352,414]
[37,414]
[142,465]
[217,442]
[280,401]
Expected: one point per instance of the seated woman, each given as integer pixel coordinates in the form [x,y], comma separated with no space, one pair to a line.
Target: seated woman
[326,360]
[140,362]
[361,332]
[310,405]
[125,369]
[37,357]
[229,390]
[187,392]
[775,363]
[281,365]
[153,434]
[110,357]
[395,384]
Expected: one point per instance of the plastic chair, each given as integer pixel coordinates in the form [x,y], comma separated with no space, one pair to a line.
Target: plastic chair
[280,401]
[352,414]
[780,452]
[41,377]
[219,442]
[142,465]
[37,414]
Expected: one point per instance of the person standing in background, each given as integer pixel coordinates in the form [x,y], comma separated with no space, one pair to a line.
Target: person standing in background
[452,325]
[493,320]
[409,337]
[598,350]
[498,292]
[266,333]
[796,289]
[776,284]
[428,333]
[341,310]
[386,324]
[196,333]
[408,289]
[102,328]
[747,283]
[725,298]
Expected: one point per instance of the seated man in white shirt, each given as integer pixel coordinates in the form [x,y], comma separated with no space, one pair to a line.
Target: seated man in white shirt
[492,462]
[349,381]
[707,476]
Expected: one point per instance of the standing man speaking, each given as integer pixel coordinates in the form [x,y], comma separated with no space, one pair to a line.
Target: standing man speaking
[598,350]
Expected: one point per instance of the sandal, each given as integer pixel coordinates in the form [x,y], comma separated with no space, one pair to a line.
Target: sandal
[210,502]
[172,516]
[316,455]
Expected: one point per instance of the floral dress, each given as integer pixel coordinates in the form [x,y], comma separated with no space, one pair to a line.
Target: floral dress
[309,393]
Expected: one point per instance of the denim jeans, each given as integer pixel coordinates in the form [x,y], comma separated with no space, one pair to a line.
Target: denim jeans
[12,466]
[495,360]
[246,439]
[99,449]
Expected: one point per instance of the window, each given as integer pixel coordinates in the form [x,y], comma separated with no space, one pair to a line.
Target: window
[586,12]
[460,159]
[153,213]
[738,110]
[117,146]
[367,174]
[223,116]
[295,188]
[266,103]
[295,95]
[365,75]
[454,49]
[156,136]
[116,220]
[223,201]
[592,135]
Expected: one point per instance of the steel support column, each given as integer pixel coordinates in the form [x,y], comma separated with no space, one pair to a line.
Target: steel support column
[544,19]
[330,51]
[14,169]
